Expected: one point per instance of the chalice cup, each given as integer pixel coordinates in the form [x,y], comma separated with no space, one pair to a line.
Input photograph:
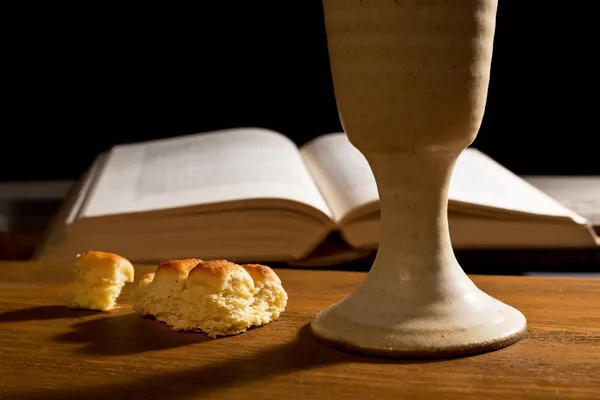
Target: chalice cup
[411,80]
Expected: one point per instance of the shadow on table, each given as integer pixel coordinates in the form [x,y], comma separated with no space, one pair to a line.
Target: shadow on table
[302,353]
[109,333]
[44,313]
[123,334]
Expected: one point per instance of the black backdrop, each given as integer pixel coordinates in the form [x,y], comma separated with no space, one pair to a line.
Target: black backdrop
[78,80]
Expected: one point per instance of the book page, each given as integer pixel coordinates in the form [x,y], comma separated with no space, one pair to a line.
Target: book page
[341,172]
[478,185]
[221,166]
[578,193]
[479,180]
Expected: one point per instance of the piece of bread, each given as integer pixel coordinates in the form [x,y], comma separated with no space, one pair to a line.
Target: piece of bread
[270,299]
[98,281]
[157,292]
[216,297]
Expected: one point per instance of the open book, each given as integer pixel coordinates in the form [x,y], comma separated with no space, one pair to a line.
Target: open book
[252,195]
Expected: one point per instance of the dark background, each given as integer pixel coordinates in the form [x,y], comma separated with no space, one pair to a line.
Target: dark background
[78,80]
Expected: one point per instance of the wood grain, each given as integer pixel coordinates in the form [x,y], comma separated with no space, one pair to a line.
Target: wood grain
[50,352]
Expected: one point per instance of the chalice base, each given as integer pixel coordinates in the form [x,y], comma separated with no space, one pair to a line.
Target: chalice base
[379,319]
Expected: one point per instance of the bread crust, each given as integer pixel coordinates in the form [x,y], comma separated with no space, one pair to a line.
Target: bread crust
[216,268]
[217,274]
[177,267]
[100,259]
[260,272]
[94,255]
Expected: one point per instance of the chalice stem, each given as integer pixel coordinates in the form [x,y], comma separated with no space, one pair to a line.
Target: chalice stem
[413,191]
[416,301]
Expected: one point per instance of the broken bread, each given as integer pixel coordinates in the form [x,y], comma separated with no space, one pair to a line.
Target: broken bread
[270,299]
[216,297]
[98,281]
[157,291]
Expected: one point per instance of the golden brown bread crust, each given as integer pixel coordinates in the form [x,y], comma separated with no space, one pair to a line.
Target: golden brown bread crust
[216,268]
[178,267]
[101,256]
[217,274]
[100,259]
[260,272]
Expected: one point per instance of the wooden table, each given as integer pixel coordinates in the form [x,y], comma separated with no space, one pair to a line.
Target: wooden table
[50,352]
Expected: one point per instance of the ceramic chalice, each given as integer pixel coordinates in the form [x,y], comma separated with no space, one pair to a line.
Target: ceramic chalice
[411,80]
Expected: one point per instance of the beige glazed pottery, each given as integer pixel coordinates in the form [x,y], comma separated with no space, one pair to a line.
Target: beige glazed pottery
[411,80]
